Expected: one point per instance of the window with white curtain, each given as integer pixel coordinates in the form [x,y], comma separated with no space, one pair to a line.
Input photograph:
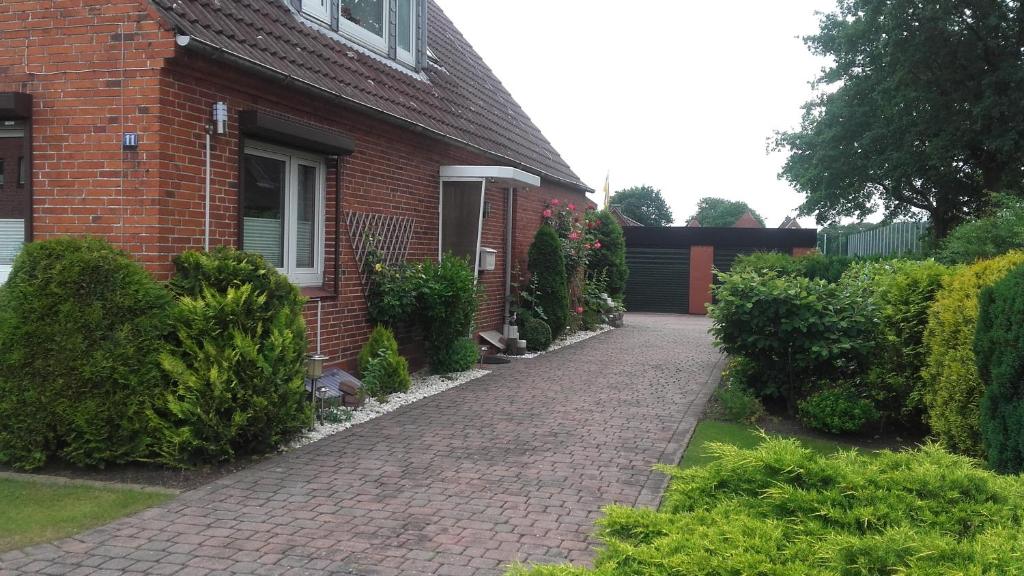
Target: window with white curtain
[283,210]
[366,20]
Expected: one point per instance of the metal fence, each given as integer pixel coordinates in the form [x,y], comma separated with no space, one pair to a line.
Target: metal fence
[896,239]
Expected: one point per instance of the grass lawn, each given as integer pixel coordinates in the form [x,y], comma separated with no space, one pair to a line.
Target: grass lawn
[35,512]
[740,435]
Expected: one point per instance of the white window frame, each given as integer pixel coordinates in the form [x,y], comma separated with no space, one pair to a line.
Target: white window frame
[305,277]
[364,36]
[319,9]
[408,57]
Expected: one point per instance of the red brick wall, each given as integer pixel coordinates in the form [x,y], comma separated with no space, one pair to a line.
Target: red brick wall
[151,201]
[93,68]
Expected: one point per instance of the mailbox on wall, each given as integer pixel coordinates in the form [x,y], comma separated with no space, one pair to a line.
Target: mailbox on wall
[487,258]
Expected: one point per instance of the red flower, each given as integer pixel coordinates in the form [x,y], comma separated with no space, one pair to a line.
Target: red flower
[571,207]
[579,309]
[555,201]
[597,245]
[547,213]
[574,235]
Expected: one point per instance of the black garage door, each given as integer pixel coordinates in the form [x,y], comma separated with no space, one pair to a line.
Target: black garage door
[659,280]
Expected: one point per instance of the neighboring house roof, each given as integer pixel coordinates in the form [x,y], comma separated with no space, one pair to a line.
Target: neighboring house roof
[622,218]
[693,223]
[462,101]
[790,223]
[747,221]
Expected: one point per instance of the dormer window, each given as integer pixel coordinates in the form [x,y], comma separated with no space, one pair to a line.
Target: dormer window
[372,24]
[365,20]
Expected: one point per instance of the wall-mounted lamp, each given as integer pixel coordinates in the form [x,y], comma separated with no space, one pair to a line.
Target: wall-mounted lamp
[220,117]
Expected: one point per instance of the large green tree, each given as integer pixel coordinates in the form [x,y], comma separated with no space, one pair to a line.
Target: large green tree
[643,204]
[722,213]
[920,109]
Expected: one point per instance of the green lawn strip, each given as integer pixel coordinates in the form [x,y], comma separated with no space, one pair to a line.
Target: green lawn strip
[34,512]
[742,436]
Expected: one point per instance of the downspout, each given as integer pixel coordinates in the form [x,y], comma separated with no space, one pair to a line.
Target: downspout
[206,217]
[508,255]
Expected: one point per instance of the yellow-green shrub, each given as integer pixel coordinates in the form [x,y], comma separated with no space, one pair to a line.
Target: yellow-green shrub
[953,388]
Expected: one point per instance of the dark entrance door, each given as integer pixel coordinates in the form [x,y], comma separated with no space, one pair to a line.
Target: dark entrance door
[659,280]
[15,192]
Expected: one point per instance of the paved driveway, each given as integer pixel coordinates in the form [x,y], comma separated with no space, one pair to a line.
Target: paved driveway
[513,466]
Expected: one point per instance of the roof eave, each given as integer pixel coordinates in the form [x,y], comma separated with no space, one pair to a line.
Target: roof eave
[214,51]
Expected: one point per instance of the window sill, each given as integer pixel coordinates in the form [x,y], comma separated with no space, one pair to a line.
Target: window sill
[315,293]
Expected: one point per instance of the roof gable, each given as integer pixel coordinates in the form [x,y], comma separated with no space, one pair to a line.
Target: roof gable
[458,97]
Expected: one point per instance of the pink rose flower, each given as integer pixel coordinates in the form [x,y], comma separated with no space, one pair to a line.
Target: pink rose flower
[597,245]
[579,309]
[555,201]
[574,236]
[547,213]
[571,207]
[587,246]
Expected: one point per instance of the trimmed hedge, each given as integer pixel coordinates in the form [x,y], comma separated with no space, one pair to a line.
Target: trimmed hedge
[903,291]
[812,266]
[782,510]
[999,348]
[238,363]
[81,330]
[547,266]
[952,386]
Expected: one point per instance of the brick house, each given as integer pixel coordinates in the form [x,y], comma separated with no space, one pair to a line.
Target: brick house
[295,128]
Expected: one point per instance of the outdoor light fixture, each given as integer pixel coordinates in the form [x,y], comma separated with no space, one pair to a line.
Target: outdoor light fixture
[321,403]
[314,370]
[220,117]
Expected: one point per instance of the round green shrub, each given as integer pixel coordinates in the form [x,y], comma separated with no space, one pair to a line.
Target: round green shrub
[999,348]
[996,234]
[382,338]
[793,332]
[610,259]
[237,362]
[547,266]
[952,387]
[460,356]
[386,374]
[81,330]
[837,410]
[537,334]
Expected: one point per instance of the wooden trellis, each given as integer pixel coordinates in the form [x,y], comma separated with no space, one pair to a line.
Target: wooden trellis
[389,235]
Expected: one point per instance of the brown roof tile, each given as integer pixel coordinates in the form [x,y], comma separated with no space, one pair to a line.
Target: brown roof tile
[461,98]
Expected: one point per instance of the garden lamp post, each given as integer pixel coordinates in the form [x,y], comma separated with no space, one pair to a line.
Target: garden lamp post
[314,370]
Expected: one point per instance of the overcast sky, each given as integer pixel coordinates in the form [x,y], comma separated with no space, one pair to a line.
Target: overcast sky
[678,95]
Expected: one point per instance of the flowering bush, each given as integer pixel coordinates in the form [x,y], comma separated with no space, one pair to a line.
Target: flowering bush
[574,231]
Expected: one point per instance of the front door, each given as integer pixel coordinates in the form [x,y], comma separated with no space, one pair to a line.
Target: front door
[15,193]
[461,216]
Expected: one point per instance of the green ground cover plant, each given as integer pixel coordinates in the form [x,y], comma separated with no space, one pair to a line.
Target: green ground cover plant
[952,386]
[34,512]
[237,362]
[783,509]
[999,349]
[82,327]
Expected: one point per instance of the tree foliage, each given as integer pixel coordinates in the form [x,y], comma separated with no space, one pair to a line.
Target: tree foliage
[645,204]
[723,213]
[920,110]
[610,258]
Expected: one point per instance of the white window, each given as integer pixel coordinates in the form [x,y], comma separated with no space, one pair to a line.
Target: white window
[283,211]
[405,32]
[319,9]
[366,21]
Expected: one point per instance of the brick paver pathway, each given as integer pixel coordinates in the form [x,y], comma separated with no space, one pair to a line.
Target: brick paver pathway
[514,466]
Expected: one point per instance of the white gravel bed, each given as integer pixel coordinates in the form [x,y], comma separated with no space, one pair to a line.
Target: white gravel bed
[567,340]
[424,385]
